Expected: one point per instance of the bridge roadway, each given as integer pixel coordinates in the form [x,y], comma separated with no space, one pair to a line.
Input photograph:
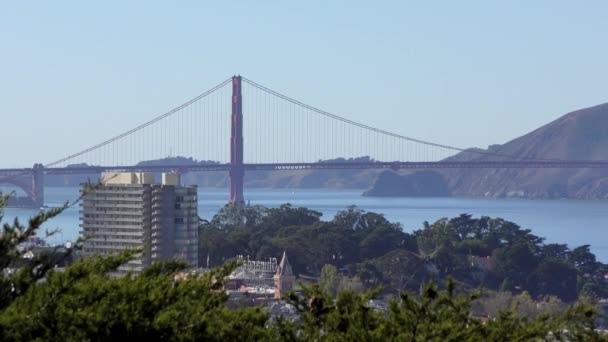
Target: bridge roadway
[514,164]
[31,180]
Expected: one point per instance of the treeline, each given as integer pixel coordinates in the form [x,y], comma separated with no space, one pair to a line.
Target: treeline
[477,252]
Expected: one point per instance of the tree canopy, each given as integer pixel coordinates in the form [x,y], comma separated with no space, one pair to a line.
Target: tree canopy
[489,252]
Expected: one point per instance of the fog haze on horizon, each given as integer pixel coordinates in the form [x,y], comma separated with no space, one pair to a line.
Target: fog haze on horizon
[463,74]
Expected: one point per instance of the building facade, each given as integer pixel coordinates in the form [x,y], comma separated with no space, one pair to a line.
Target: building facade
[284,279]
[257,282]
[130,210]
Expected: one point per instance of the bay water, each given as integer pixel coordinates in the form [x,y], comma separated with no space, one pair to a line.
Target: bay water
[573,222]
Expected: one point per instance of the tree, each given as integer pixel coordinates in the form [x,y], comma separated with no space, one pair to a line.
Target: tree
[329,281]
[19,276]
[435,236]
[287,215]
[437,242]
[465,227]
[351,218]
[382,239]
[229,217]
[369,275]
[515,262]
[582,258]
[398,270]
[556,250]
[555,277]
[216,244]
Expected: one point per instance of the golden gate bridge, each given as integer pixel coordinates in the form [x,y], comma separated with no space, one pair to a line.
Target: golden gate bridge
[281,133]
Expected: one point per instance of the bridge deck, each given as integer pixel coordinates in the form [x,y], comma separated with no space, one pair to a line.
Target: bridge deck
[516,164]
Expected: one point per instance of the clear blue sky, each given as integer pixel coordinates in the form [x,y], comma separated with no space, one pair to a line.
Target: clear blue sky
[465,73]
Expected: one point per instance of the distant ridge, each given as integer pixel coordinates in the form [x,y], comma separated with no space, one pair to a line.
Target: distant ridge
[578,135]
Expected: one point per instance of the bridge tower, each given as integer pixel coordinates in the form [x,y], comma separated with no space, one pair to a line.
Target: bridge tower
[237,170]
[38,185]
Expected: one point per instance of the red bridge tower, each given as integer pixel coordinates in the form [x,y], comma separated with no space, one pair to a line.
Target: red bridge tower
[237,170]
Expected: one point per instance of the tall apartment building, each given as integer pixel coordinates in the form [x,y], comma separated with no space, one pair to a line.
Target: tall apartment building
[129,210]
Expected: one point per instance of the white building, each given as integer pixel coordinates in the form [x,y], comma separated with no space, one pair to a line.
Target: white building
[129,210]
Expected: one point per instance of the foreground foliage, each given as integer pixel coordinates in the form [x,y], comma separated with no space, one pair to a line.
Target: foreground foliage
[86,303]
[433,316]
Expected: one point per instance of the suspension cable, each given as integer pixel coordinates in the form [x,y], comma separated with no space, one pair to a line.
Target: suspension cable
[367,127]
[146,124]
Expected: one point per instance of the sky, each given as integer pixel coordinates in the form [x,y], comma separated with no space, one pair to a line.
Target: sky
[462,73]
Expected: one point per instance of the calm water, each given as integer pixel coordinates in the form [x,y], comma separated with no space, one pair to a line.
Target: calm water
[564,221]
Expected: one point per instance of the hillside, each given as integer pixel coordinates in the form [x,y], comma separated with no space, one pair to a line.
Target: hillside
[579,135]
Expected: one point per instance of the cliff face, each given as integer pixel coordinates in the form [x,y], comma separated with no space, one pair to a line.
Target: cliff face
[417,184]
[580,135]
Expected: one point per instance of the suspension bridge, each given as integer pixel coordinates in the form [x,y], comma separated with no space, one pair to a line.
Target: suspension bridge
[281,134]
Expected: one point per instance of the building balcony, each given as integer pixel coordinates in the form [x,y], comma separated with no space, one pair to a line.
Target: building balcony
[112,207]
[112,243]
[112,197]
[122,190]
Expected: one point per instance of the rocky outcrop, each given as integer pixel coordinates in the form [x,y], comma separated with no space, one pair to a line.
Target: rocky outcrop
[417,184]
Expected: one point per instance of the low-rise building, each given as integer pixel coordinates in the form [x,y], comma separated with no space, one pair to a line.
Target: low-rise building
[258,282]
